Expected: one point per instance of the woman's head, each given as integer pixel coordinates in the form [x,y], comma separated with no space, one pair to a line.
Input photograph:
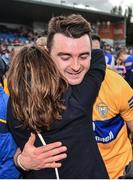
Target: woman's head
[36,88]
[122,54]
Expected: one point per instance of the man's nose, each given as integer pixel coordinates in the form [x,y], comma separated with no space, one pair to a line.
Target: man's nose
[75,64]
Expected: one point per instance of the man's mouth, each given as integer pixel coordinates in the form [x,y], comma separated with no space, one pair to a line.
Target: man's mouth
[74,73]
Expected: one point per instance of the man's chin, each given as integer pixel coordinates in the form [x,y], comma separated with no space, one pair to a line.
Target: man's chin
[74,81]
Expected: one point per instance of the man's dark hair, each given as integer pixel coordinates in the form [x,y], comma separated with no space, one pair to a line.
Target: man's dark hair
[95,37]
[73,26]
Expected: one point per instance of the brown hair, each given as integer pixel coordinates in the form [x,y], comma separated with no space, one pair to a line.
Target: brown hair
[41,42]
[96,37]
[73,26]
[121,51]
[36,88]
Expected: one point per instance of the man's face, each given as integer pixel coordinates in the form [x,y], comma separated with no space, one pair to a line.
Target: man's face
[95,44]
[72,56]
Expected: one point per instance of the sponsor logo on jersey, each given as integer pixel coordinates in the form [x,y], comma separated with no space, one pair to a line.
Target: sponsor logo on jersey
[107,130]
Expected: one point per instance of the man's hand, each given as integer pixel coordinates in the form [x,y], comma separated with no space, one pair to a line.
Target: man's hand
[42,157]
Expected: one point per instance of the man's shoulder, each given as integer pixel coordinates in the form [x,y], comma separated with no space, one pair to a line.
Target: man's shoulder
[110,73]
[95,51]
[113,81]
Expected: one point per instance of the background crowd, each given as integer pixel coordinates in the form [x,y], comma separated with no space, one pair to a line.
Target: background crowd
[12,39]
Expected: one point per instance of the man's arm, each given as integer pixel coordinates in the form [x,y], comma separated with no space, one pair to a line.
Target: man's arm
[98,60]
[87,91]
[130,125]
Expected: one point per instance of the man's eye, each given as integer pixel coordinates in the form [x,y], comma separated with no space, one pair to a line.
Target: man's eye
[84,56]
[65,58]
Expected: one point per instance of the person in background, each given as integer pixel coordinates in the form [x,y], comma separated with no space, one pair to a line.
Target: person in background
[7,144]
[69,44]
[120,68]
[41,42]
[96,44]
[109,58]
[5,54]
[128,62]
[96,41]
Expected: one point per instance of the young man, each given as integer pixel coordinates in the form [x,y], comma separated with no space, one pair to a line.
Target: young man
[69,45]
[111,111]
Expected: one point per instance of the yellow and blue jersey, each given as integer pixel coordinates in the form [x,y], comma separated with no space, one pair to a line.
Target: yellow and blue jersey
[113,107]
[6,87]
[129,63]
[8,146]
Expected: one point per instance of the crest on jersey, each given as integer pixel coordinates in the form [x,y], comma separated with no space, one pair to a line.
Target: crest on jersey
[102,109]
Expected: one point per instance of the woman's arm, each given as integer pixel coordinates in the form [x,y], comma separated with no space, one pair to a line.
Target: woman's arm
[36,158]
[87,91]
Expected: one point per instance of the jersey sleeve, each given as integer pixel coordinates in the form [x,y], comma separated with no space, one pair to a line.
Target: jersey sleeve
[126,101]
[7,150]
[87,91]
